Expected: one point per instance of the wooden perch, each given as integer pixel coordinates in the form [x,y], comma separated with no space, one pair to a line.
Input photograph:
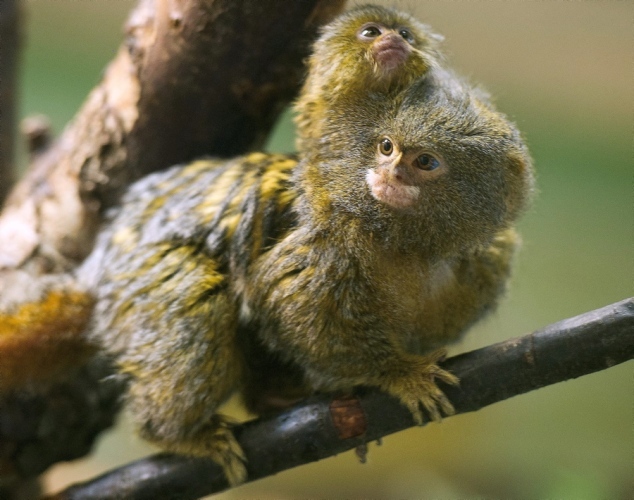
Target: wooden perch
[323,426]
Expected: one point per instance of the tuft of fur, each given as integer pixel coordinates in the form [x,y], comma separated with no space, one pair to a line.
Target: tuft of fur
[41,341]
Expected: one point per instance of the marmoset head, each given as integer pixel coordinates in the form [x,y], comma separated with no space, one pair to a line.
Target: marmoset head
[442,170]
[369,49]
[374,46]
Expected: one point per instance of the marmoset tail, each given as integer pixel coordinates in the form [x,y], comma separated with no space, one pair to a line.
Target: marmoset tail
[42,341]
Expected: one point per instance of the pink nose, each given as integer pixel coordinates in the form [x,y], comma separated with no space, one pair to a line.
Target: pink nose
[402,174]
[390,50]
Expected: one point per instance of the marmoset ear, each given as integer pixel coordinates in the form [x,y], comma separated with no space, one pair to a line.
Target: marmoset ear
[521,182]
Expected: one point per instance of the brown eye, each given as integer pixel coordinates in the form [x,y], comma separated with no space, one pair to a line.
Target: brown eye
[406,34]
[370,31]
[386,147]
[426,162]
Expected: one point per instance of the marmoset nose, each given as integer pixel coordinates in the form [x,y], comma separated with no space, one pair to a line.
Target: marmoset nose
[389,40]
[402,173]
[390,49]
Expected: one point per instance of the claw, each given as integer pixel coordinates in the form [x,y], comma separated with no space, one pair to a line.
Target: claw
[417,415]
[447,377]
[417,389]
[446,406]
[432,409]
[234,470]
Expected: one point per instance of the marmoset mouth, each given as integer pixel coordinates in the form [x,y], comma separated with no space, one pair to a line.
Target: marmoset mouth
[392,192]
[390,52]
[394,56]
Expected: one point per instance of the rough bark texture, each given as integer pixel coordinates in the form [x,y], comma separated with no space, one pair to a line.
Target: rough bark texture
[323,426]
[9,46]
[194,77]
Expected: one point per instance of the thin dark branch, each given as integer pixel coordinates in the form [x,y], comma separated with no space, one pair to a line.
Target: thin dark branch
[323,426]
[9,48]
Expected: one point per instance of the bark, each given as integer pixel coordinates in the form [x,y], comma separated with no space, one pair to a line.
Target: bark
[325,425]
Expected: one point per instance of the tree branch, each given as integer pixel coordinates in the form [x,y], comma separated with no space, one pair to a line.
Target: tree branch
[323,426]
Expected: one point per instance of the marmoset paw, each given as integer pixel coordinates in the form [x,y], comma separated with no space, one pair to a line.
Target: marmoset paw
[215,441]
[416,386]
[222,447]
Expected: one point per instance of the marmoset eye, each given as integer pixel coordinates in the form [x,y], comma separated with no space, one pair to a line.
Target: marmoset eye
[386,147]
[427,162]
[406,34]
[370,31]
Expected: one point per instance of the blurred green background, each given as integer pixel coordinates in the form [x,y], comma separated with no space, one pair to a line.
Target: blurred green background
[564,72]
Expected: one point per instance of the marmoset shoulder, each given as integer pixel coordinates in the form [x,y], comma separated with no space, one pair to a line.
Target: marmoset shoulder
[276,276]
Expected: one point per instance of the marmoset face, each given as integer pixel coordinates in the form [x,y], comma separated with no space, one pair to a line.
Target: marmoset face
[382,44]
[444,163]
[398,176]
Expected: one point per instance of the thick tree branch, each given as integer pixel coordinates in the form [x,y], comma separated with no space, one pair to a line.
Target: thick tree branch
[9,49]
[323,426]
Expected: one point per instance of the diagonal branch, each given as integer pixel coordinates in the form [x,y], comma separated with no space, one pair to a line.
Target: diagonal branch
[323,426]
